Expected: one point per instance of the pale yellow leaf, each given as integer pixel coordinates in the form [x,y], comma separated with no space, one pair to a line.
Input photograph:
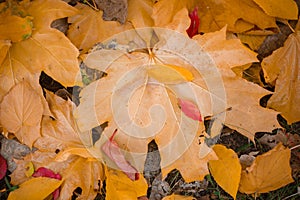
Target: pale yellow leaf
[222,49]
[169,74]
[286,9]
[226,170]
[282,68]
[35,188]
[268,172]
[21,113]
[29,169]
[119,186]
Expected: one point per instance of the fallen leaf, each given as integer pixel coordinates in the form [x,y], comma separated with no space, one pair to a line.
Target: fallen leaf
[279,8]
[3,167]
[59,135]
[57,56]
[268,172]
[29,169]
[4,47]
[190,109]
[119,186]
[178,197]
[283,68]
[139,13]
[21,113]
[14,28]
[221,49]
[226,170]
[169,74]
[35,188]
[88,28]
[214,14]
[193,28]
[112,150]
[44,172]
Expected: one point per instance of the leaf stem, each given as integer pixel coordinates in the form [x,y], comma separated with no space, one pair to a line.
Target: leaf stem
[295,147]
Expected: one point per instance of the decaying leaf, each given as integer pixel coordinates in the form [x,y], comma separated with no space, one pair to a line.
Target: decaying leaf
[35,188]
[226,170]
[119,186]
[268,172]
[21,113]
[283,67]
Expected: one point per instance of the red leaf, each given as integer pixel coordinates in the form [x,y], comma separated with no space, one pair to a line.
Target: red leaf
[44,172]
[112,150]
[193,29]
[3,167]
[190,109]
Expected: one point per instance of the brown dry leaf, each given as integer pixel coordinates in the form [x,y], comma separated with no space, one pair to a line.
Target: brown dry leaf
[285,9]
[282,67]
[88,28]
[227,170]
[21,113]
[215,15]
[46,50]
[119,186]
[28,190]
[269,171]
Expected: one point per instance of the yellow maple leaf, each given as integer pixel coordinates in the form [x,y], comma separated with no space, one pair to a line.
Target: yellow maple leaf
[63,149]
[268,172]
[285,9]
[88,28]
[119,186]
[214,15]
[35,188]
[46,50]
[226,170]
[282,67]
[21,113]
[139,13]
[14,28]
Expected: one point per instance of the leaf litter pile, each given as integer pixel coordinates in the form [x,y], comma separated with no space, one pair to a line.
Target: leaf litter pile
[145,99]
